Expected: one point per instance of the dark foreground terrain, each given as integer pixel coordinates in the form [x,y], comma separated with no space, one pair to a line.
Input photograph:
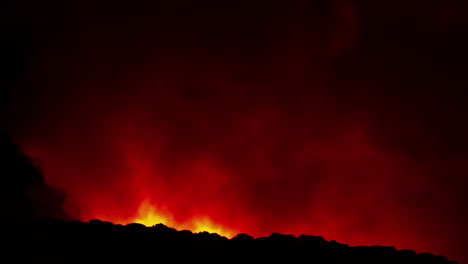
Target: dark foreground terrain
[30,234]
[54,241]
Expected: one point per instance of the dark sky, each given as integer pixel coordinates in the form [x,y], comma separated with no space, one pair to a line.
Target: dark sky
[341,118]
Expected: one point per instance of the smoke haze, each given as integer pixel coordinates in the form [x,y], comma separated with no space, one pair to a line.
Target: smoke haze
[344,119]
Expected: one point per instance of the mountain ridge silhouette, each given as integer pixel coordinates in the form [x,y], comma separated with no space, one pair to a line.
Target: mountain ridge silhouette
[35,227]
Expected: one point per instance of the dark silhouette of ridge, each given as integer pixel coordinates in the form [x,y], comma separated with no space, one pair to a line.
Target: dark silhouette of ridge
[35,228]
[54,241]
[24,194]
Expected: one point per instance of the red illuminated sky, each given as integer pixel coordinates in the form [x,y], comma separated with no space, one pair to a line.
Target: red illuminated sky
[340,118]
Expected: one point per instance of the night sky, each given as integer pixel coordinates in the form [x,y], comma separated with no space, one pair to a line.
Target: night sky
[346,119]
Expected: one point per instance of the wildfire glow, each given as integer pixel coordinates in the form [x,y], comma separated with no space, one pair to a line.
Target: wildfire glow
[149,215]
[239,123]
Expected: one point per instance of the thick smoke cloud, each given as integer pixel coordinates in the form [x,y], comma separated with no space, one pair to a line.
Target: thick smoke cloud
[345,119]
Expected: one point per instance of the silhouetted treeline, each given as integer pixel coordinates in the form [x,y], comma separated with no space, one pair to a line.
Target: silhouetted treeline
[24,194]
[31,232]
[55,241]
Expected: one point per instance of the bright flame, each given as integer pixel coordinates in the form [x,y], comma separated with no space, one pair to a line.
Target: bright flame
[206,224]
[150,214]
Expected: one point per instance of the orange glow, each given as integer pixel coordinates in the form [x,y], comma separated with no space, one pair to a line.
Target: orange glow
[150,215]
[258,176]
[209,140]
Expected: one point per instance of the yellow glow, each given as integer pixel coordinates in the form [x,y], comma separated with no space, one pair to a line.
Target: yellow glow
[206,224]
[149,215]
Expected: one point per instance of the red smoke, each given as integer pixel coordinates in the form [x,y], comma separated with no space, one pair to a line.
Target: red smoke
[289,120]
[231,165]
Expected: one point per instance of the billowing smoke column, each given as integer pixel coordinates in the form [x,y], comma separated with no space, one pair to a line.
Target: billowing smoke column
[332,118]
